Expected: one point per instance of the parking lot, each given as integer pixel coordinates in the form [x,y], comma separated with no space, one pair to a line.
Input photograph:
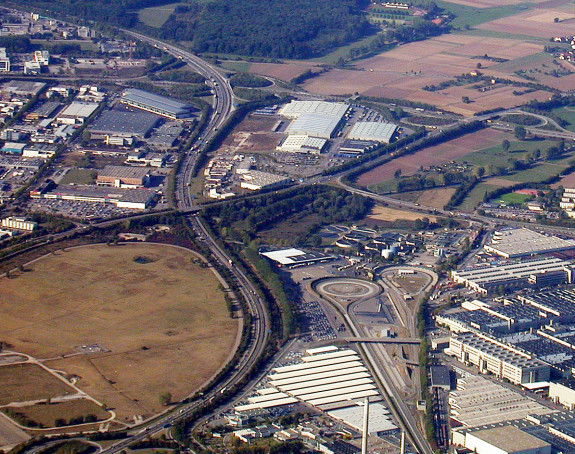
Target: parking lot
[78,210]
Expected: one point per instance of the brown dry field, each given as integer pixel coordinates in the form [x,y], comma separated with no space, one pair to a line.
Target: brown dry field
[379,213]
[47,414]
[24,382]
[165,316]
[435,198]
[568,181]
[436,155]
[254,135]
[403,71]
[538,23]
[490,3]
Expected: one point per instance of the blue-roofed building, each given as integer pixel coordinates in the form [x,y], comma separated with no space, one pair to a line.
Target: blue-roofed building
[160,105]
[13,148]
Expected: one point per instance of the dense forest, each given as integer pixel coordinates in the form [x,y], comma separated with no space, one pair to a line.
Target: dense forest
[270,28]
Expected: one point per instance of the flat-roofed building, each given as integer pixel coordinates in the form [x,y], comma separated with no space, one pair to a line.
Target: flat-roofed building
[15,148]
[255,180]
[302,144]
[157,104]
[22,87]
[295,257]
[372,130]
[296,108]
[315,125]
[123,123]
[77,112]
[4,61]
[123,176]
[513,243]
[505,440]
[500,359]
[487,278]
[18,223]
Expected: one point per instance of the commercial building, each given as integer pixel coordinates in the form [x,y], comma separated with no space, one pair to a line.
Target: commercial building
[478,400]
[255,180]
[355,147]
[513,243]
[18,223]
[302,144]
[160,105]
[42,151]
[135,199]
[13,148]
[372,130]
[440,377]
[46,110]
[42,57]
[487,278]
[502,360]
[505,440]
[145,158]
[123,123]
[22,87]
[4,61]
[76,113]
[563,392]
[294,257]
[123,177]
[568,202]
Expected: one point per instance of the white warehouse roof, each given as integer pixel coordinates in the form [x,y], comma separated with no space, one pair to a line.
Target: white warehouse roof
[315,125]
[79,109]
[520,242]
[372,130]
[379,419]
[302,144]
[332,109]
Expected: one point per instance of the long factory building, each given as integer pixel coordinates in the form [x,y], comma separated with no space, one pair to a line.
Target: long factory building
[330,379]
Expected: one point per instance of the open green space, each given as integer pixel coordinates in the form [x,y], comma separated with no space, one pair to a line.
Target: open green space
[496,156]
[513,198]
[79,176]
[566,114]
[472,16]
[476,196]
[238,66]
[503,35]
[539,173]
[384,187]
[331,58]
[156,16]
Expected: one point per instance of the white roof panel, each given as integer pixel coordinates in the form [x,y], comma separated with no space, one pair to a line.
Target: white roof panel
[338,354]
[317,376]
[341,385]
[320,362]
[342,397]
[334,392]
[324,381]
[307,372]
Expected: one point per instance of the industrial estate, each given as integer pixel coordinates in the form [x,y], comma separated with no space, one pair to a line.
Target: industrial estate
[337,226]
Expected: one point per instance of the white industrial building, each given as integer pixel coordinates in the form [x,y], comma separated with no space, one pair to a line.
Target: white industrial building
[295,257]
[513,243]
[255,180]
[315,125]
[314,118]
[502,360]
[76,112]
[505,440]
[17,223]
[331,109]
[563,392]
[487,278]
[372,130]
[330,379]
[302,144]
[4,61]
[568,202]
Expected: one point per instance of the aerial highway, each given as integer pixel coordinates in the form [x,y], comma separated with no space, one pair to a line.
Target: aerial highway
[261,325]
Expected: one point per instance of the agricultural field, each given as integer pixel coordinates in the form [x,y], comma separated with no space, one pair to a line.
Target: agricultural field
[513,198]
[433,198]
[458,149]
[567,114]
[387,214]
[156,16]
[471,16]
[27,382]
[144,308]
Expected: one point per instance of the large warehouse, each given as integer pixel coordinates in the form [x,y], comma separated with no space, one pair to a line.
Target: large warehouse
[514,243]
[505,440]
[372,130]
[123,177]
[76,112]
[160,105]
[314,118]
[123,123]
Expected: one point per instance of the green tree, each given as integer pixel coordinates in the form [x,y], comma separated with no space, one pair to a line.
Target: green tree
[165,398]
[520,132]
[505,145]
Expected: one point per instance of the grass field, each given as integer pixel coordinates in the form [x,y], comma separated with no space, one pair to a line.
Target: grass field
[47,414]
[156,16]
[24,382]
[238,66]
[514,198]
[496,156]
[79,176]
[566,114]
[151,306]
[475,197]
[471,16]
